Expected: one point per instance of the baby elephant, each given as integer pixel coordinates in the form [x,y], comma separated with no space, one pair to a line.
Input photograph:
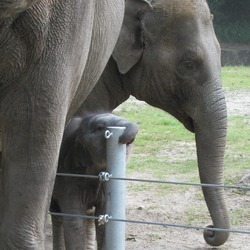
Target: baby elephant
[83,151]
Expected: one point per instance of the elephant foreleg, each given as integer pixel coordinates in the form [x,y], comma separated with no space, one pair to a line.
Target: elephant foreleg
[28,169]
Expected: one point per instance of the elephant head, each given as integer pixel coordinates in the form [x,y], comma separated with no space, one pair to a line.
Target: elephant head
[168,55]
[89,141]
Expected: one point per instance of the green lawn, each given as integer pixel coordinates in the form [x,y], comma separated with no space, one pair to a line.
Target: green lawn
[236,77]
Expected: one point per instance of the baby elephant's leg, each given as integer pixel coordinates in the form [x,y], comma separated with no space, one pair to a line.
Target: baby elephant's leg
[90,231]
[100,228]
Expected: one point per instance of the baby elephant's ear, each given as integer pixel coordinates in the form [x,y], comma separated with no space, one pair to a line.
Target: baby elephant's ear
[81,156]
[129,134]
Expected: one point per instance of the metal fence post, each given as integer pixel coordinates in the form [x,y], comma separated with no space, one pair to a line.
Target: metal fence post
[115,190]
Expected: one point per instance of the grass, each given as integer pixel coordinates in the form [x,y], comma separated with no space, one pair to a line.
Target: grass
[237,157]
[165,150]
[239,215]
[157,128]
[236,77]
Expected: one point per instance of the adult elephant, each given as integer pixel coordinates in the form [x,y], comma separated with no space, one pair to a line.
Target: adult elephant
[168,55]
[52,52]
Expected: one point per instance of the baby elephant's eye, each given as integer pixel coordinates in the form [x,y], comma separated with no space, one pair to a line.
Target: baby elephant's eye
[100,127]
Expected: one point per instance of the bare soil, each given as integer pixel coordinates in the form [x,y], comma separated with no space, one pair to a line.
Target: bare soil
[171,207]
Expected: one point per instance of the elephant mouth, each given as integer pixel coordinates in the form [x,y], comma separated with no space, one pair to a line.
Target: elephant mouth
[185,119]
[189,124]
[130,142]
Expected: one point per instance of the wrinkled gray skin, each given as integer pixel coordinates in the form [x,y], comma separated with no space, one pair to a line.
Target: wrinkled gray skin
[83,151]
[168,56]
[52,52]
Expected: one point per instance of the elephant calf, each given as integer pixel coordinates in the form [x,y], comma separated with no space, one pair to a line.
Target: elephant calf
[83,151]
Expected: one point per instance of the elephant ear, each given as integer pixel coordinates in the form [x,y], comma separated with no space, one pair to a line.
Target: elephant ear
[69,137]
[129,47]
[81,156]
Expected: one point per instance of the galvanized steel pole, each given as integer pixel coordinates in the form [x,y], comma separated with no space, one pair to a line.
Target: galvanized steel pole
[115,190]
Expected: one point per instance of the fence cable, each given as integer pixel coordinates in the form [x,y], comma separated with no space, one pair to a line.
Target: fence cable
[153,223]
[100,177]
[160,182]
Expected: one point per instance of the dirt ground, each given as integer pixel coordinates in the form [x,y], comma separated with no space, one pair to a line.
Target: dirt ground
[169,208]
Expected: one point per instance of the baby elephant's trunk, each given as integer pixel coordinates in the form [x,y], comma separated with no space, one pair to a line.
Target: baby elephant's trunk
[129,134]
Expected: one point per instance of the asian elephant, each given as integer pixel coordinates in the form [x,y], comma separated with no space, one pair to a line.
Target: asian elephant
[83,151]
[167,54]
[52,52]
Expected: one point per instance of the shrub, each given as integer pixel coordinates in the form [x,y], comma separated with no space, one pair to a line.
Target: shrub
[231,20]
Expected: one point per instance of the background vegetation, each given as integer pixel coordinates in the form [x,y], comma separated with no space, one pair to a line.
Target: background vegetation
[231,20]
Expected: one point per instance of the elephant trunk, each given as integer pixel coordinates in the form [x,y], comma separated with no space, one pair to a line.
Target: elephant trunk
[210,134]
[129,134]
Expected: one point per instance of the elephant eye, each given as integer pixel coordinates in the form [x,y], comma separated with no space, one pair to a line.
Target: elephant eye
[190,65]
[99,127]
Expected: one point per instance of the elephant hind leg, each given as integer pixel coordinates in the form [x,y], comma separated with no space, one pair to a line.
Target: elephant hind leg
[58,233]
[57,227]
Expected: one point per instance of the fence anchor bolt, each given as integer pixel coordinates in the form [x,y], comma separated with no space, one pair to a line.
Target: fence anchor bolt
[103,219]
[104,176]
[108,134]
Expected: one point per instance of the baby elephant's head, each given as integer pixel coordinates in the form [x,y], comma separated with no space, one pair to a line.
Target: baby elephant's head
[91,149]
